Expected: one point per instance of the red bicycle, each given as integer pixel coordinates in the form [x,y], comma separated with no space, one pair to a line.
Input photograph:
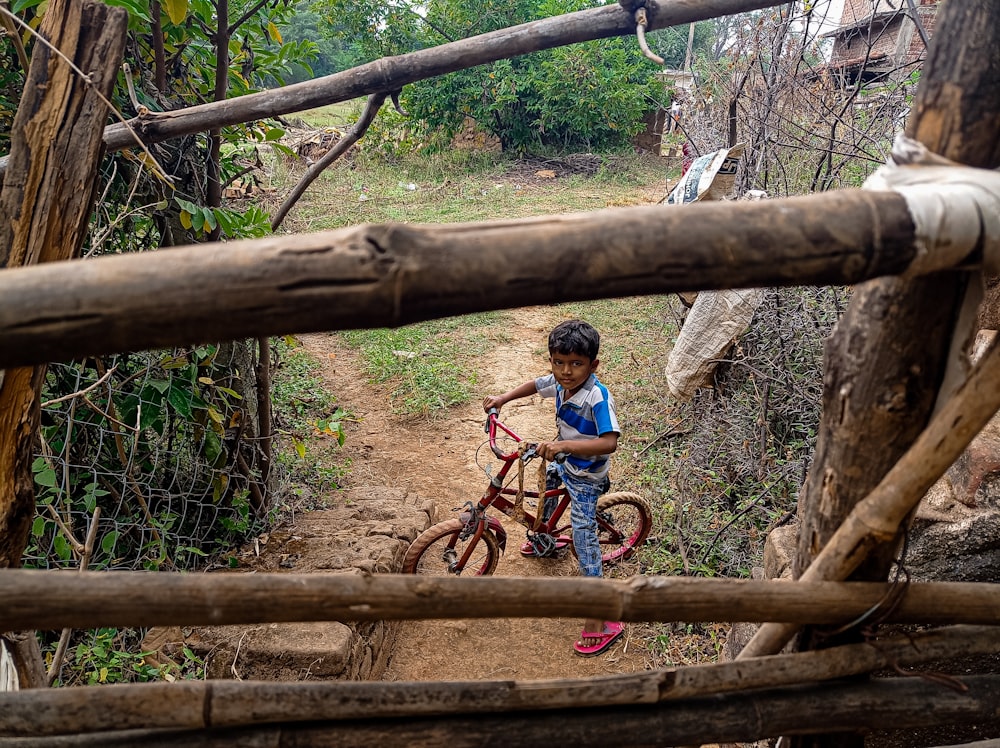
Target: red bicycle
[474,540]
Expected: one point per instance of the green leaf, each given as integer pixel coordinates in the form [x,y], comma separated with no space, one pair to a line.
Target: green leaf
[176,10]
[208,217]
[274,133]
[160,385]
[181,400]
[137,9]
[61,546]
[20,5]
[213,447]
[47,478]
[108,542]
[38,526]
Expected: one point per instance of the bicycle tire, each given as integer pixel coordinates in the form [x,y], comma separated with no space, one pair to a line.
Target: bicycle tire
[426,554]
[624,522]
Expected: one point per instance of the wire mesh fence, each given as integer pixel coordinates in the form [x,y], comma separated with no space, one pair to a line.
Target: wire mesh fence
[164,444]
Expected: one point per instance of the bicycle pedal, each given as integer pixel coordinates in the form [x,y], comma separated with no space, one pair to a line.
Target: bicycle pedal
[544,546]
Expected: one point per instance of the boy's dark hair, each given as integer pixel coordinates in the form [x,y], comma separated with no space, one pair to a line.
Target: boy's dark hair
[575,336]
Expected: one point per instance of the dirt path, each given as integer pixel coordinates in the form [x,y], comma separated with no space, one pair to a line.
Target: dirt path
[436,457]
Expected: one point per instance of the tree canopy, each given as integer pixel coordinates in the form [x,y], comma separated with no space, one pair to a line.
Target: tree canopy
[590,95]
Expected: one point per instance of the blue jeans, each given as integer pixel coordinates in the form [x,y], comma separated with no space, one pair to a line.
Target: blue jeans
[582,516]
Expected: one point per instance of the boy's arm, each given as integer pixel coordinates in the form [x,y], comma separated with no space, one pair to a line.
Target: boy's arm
[605,444]
[498,401]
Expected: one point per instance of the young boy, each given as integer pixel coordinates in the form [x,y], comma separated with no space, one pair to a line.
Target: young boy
[588,432]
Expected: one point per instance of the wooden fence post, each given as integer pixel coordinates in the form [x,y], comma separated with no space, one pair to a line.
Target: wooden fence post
[47,195]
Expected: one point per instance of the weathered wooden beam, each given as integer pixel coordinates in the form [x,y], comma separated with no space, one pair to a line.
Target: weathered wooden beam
[392,73]
[204,704]
[393,274]
[46,200]
[744,716]
[92,599]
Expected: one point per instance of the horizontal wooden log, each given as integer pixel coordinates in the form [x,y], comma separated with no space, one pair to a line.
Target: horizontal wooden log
[393,274]
[205,704]
[844,707]
[93,599]
[392,73]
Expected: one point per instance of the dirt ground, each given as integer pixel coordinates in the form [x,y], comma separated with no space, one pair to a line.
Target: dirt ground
[436,457]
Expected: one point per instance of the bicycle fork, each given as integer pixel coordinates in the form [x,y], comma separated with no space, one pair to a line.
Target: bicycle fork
[475,521]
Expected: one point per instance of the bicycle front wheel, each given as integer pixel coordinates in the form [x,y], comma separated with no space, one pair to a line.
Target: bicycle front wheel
[438,549]
[624,521]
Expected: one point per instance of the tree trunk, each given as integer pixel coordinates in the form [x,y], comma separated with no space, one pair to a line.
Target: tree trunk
[45,204]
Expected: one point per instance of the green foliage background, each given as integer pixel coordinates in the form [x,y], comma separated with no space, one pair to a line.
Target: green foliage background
[587,96]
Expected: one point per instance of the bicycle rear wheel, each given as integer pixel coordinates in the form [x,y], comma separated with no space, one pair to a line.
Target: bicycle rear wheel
[438,548]
[624,521]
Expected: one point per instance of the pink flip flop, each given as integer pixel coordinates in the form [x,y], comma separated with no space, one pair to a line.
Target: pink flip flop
[612,632]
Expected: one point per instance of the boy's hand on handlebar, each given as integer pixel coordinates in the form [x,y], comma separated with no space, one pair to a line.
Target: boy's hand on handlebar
[492,401]
[549,450]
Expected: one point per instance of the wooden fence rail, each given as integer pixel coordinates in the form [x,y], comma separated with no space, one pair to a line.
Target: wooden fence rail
[393,274]
[92,599]
[213,704]
[747,715]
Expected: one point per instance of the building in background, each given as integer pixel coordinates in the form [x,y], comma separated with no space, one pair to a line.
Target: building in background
[880,40]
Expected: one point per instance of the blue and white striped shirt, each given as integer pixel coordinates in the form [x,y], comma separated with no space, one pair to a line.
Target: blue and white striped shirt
[587,415]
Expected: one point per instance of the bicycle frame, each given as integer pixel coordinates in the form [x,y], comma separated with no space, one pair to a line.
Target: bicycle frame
[502,497]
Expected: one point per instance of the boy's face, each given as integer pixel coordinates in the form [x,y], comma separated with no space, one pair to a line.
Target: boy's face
[571,370]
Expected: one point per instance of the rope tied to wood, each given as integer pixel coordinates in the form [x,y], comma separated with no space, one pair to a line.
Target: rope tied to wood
[518,510]
[955,208]
[638,10]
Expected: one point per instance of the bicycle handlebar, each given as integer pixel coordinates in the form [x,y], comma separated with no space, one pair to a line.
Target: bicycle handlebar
[493,421]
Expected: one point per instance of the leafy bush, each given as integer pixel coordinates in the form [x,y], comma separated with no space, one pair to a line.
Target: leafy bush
[309,425]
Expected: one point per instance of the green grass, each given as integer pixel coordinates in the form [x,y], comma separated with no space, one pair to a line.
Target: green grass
[340,115]
[456,186]
[429,366]
[307,421]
